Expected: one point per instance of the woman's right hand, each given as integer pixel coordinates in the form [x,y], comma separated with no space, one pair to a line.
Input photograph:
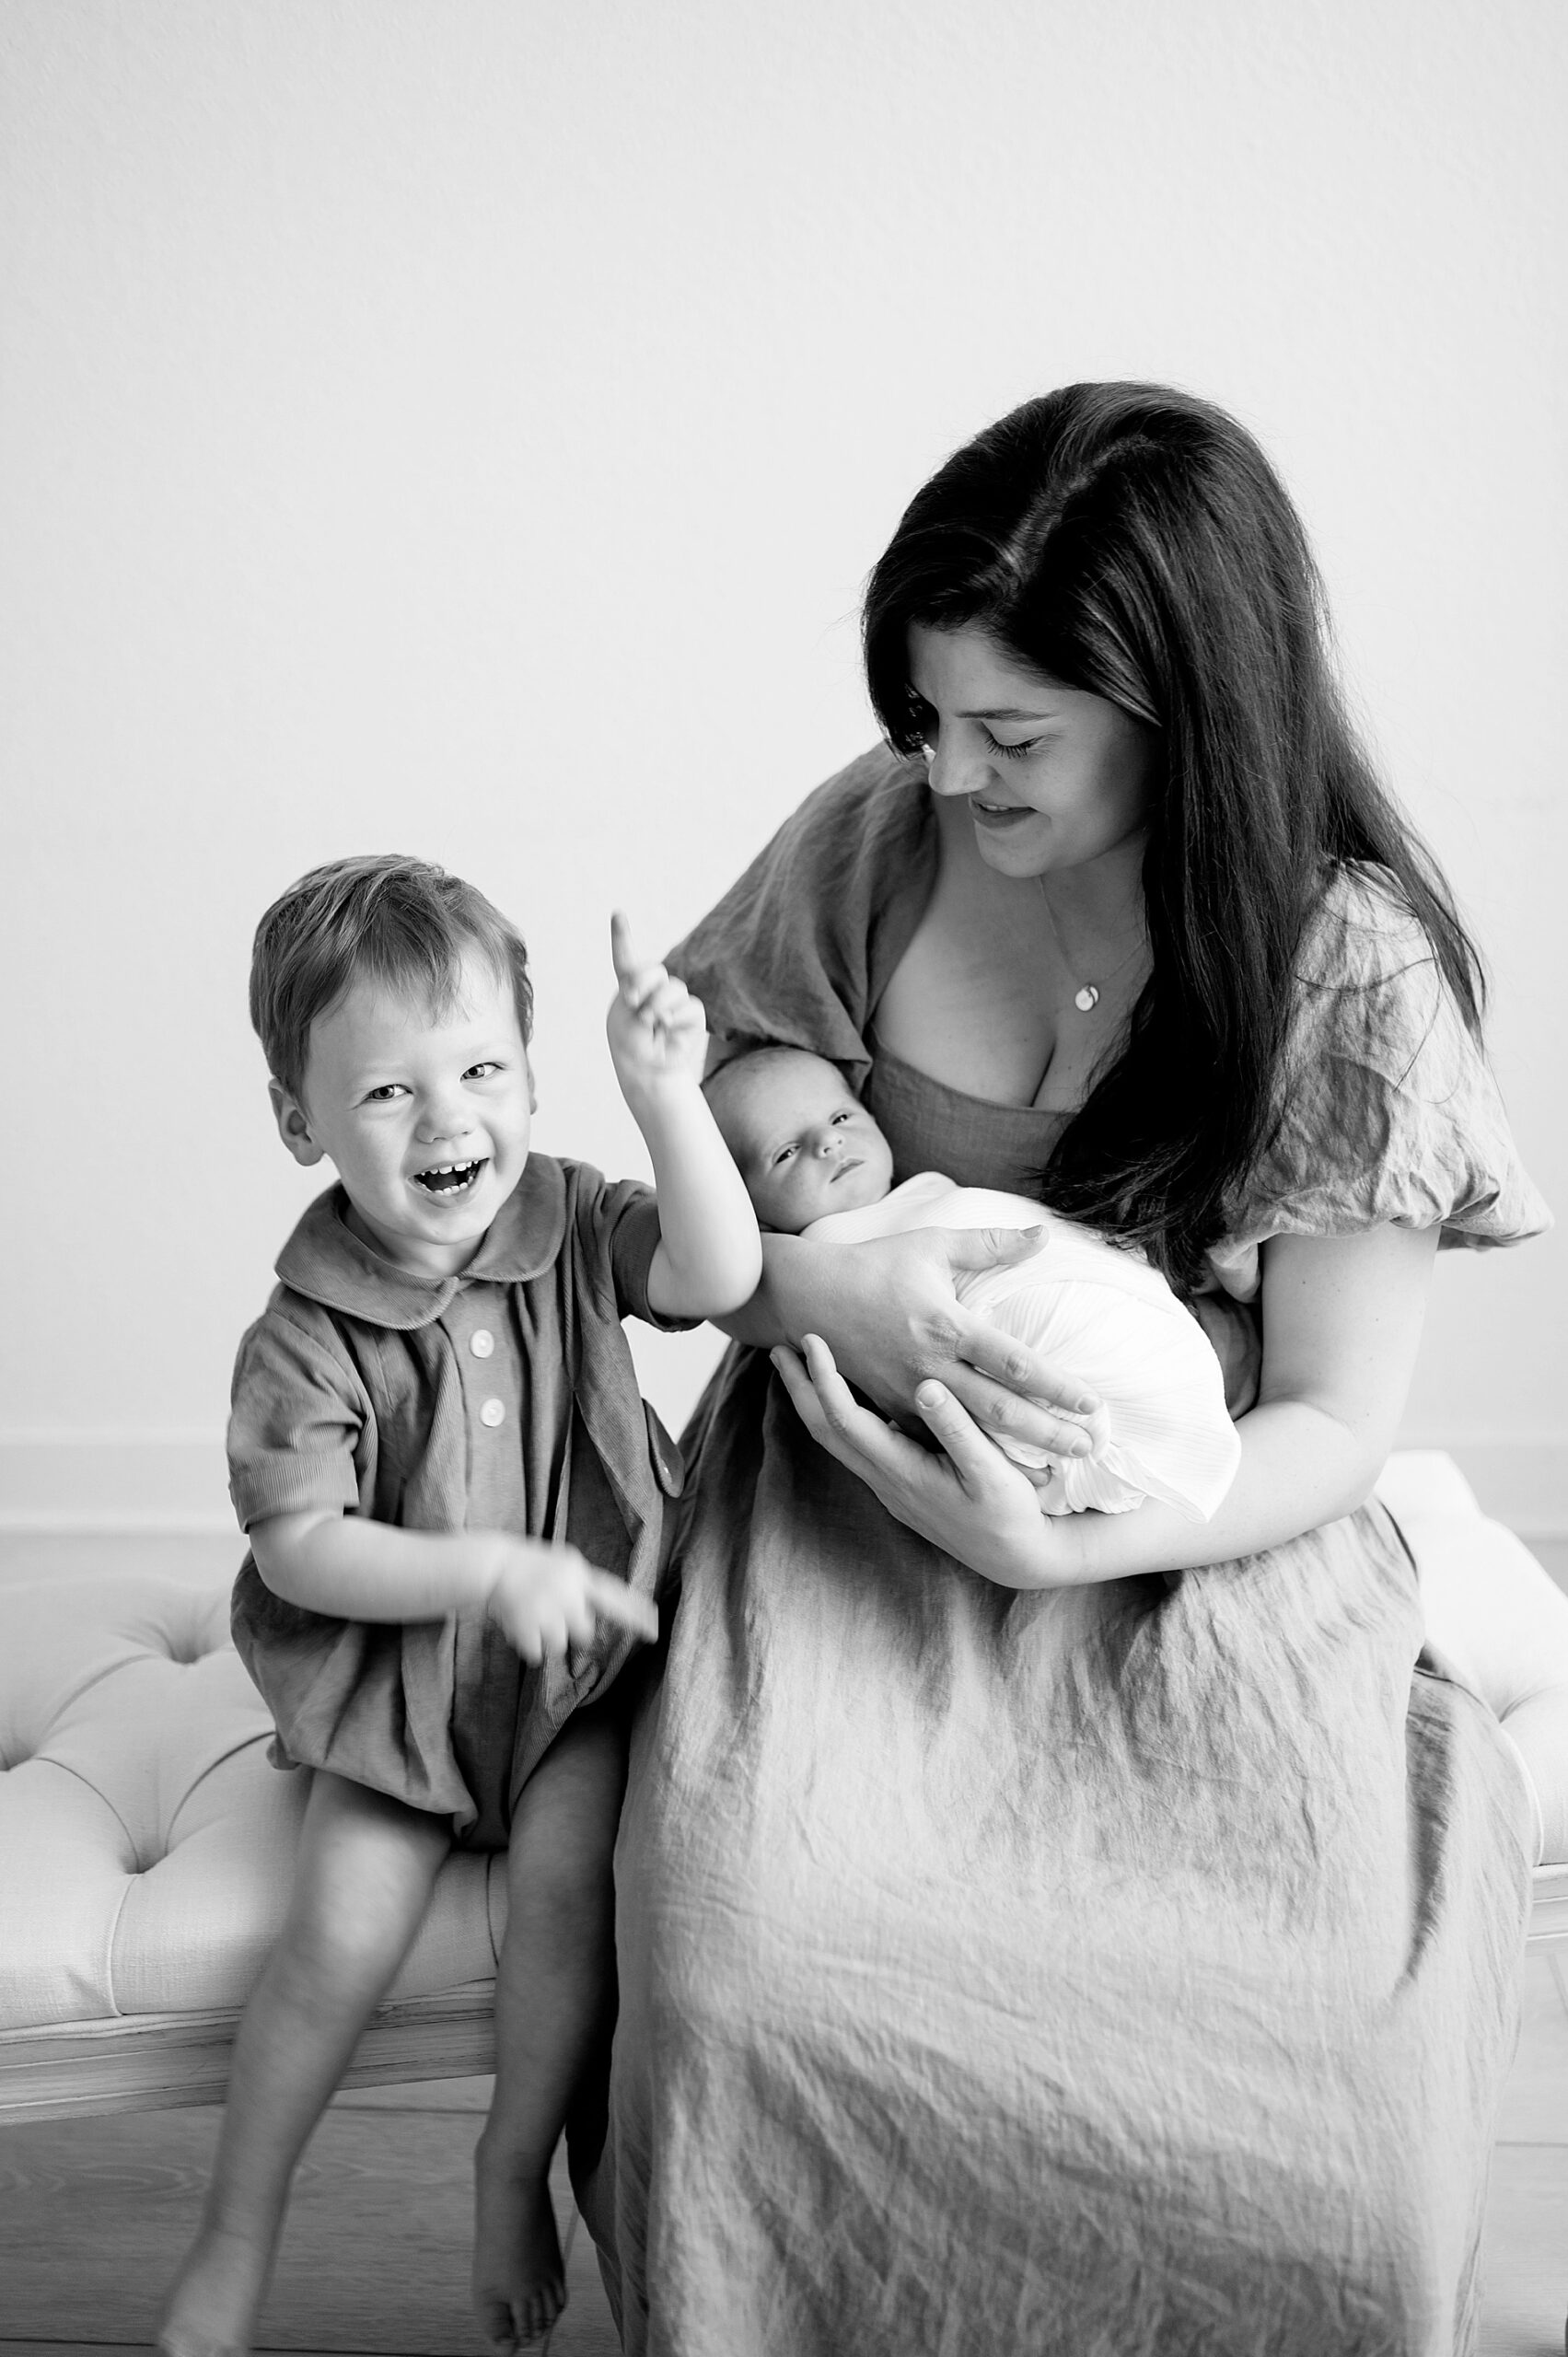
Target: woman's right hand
[892,1316]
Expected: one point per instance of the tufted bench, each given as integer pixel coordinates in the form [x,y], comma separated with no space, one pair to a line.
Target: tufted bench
[146,1843]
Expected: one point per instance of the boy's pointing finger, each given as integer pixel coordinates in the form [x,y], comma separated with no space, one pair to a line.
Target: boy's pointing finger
[614,1600]
[621,948]
[637,983]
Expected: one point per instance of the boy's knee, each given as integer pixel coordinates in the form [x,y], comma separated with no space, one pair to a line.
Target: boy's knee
[363,1883]
[331,1948]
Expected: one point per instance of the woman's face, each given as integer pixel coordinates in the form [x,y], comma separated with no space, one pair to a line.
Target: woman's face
[1053,776]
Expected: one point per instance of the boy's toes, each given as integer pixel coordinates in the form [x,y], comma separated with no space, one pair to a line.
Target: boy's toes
[493,2318]
[542,2306]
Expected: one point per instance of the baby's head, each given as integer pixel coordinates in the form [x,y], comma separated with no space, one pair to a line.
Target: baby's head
[802,1141]
[395,1008]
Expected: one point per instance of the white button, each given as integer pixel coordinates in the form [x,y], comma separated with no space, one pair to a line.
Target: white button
[493,1412]
[481,1343]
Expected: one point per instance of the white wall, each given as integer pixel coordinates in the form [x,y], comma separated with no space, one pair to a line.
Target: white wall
[464,426]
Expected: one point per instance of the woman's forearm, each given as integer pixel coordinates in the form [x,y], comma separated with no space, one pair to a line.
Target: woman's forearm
[1300,1466]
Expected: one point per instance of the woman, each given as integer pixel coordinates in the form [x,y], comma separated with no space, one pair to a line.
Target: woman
[1083,1933]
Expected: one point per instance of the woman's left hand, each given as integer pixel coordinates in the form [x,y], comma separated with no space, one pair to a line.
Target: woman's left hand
[966,1497]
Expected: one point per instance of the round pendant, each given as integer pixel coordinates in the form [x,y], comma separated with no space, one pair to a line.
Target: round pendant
[1086,998]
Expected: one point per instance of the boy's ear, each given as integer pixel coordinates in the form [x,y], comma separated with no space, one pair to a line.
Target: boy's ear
[292,1126]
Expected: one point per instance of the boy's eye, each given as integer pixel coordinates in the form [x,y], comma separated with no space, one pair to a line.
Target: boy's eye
[784,1154]
[385,1093]
[847,1115]
[481,1071]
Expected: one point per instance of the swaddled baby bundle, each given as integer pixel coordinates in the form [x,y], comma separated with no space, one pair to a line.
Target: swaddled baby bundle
[1103,1315]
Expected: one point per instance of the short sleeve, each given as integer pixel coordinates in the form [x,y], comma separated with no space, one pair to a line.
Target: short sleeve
[1388,1113]
[617,1228]
[296,1421]
[796,951]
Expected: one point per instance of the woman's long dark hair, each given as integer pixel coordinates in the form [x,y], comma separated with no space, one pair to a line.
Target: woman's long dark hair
[1135,541]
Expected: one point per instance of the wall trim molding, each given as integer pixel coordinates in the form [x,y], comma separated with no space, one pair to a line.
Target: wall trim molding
[142,1482]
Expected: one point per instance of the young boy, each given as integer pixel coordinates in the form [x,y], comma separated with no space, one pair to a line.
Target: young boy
[441,1460]
[815,1163]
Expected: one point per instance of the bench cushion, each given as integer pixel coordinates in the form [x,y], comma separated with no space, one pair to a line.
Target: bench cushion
[146,1843]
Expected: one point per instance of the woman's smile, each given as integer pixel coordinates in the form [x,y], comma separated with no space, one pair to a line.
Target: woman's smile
[1074,761]
[1000,814]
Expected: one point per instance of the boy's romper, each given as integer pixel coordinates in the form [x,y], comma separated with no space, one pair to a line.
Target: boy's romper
[501,1398]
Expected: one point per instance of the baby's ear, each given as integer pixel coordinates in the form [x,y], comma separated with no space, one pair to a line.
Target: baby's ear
[292,1126]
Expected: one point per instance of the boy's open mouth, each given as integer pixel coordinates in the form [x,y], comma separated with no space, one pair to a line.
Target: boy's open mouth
[450,1179]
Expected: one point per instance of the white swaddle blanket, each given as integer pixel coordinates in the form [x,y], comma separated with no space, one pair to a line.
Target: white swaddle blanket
[1104,1315]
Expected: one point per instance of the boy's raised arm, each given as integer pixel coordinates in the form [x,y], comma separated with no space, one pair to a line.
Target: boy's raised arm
[709,1256]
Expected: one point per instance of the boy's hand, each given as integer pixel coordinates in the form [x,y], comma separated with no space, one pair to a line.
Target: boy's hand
[546,1598]
[656,1026]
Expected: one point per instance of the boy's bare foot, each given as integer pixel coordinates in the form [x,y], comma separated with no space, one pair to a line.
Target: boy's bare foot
[216,2297]
[520,2281]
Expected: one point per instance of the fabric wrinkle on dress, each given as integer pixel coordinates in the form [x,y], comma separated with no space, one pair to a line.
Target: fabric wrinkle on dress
[1104,1971]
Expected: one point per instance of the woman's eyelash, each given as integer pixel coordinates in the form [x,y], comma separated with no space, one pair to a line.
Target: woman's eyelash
[924,721]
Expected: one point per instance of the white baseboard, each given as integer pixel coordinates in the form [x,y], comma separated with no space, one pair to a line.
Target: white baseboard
[149,1482]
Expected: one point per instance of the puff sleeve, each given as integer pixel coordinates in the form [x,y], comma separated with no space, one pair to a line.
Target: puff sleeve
[1388,1114]
[796,951]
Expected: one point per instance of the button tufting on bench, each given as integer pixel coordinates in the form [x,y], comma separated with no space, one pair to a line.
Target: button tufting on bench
[145,1857]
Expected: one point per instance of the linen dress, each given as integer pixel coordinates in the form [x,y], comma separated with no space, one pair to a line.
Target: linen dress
[1106,1971]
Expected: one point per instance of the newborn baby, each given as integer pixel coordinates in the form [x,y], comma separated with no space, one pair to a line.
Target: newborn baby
[816,1164]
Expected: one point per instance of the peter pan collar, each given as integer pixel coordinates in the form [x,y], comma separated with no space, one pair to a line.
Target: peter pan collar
[325,1260]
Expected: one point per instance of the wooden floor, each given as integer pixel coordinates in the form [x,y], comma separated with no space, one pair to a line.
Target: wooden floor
[95,2213]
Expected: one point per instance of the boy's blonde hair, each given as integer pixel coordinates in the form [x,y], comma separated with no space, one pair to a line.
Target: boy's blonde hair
[403,922]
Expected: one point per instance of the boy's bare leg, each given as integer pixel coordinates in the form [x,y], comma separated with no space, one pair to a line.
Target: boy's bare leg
[556,1972]
[362,1882]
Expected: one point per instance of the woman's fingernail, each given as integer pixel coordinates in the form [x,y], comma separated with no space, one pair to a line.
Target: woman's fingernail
[1087,1406]
[775,1357]
[929,1395]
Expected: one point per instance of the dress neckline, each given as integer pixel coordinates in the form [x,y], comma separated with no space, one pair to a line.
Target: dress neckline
[990,1105]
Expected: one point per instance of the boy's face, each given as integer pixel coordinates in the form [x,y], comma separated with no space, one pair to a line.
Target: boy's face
[803,1143]
[427,1118]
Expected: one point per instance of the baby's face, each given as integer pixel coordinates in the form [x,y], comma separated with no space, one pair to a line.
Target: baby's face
[426,1116]
[803,1144]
